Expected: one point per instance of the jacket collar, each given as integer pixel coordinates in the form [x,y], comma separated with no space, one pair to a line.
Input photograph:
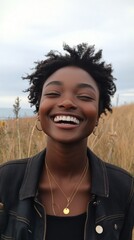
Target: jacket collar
[100,185]
[32,176]
[99,178]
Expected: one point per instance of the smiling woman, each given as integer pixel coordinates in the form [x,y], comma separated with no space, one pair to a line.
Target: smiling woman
[69,95]
[66,191]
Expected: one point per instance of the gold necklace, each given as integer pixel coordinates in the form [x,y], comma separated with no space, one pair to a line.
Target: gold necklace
[51,192]
[66,210]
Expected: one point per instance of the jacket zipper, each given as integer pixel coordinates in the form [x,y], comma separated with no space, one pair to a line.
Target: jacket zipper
[44,234]
[85,227]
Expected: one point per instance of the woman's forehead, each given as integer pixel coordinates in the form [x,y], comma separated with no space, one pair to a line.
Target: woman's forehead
[71,74]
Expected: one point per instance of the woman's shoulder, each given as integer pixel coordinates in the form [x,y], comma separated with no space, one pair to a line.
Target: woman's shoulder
[115,179]
[11,173]
[120,181]
[118,172]
[112,170]
[18,164]
[13,166]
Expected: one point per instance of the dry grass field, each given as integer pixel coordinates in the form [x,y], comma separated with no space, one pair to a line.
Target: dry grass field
[113,140]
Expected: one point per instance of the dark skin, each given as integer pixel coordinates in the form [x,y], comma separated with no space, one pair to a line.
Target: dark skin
[73,93]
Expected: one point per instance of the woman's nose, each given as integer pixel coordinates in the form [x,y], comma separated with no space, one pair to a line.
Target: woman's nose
[67,103]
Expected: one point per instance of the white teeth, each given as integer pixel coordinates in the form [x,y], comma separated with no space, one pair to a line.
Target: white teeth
[67,119]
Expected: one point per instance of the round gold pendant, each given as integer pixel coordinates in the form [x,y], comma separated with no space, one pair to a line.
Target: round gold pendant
[66,211]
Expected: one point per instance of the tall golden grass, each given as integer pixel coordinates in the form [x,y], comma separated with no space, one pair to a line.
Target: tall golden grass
[113,140]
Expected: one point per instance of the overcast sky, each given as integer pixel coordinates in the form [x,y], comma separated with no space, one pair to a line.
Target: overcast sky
[30,28]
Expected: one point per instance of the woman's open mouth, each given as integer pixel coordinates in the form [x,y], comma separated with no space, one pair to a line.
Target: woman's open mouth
[62,119]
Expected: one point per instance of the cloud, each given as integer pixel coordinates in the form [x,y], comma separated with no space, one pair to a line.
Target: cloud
[123,97]
[8,101]
[29,29]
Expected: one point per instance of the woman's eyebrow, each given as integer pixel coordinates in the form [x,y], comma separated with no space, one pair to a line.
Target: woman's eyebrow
[54,83]
[79,85]
[86,85]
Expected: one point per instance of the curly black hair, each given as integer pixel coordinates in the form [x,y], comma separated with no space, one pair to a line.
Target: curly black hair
[82,56]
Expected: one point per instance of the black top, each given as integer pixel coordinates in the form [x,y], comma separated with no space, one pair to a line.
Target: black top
[65,228]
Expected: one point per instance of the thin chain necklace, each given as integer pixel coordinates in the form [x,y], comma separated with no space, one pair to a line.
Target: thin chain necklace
[69,199]
[51,192]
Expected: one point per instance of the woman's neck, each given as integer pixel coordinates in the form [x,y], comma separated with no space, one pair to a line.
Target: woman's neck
[66,159]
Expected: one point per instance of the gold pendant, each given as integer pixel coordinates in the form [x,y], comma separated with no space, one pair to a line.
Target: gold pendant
[66,211]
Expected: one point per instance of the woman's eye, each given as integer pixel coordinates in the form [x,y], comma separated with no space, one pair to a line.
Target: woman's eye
[52,94]
[85,98]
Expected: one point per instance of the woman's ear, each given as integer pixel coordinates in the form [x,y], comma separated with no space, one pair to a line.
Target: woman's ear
[38,117]
[97,123]
[38,124]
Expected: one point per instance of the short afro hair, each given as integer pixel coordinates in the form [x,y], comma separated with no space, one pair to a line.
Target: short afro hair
[82,56]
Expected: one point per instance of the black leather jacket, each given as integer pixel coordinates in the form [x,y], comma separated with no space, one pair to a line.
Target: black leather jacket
[110,215]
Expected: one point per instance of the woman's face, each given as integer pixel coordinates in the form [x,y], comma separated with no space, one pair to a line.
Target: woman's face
[69,105]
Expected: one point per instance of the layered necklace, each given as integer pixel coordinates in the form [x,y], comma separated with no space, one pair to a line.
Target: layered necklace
[66,209]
